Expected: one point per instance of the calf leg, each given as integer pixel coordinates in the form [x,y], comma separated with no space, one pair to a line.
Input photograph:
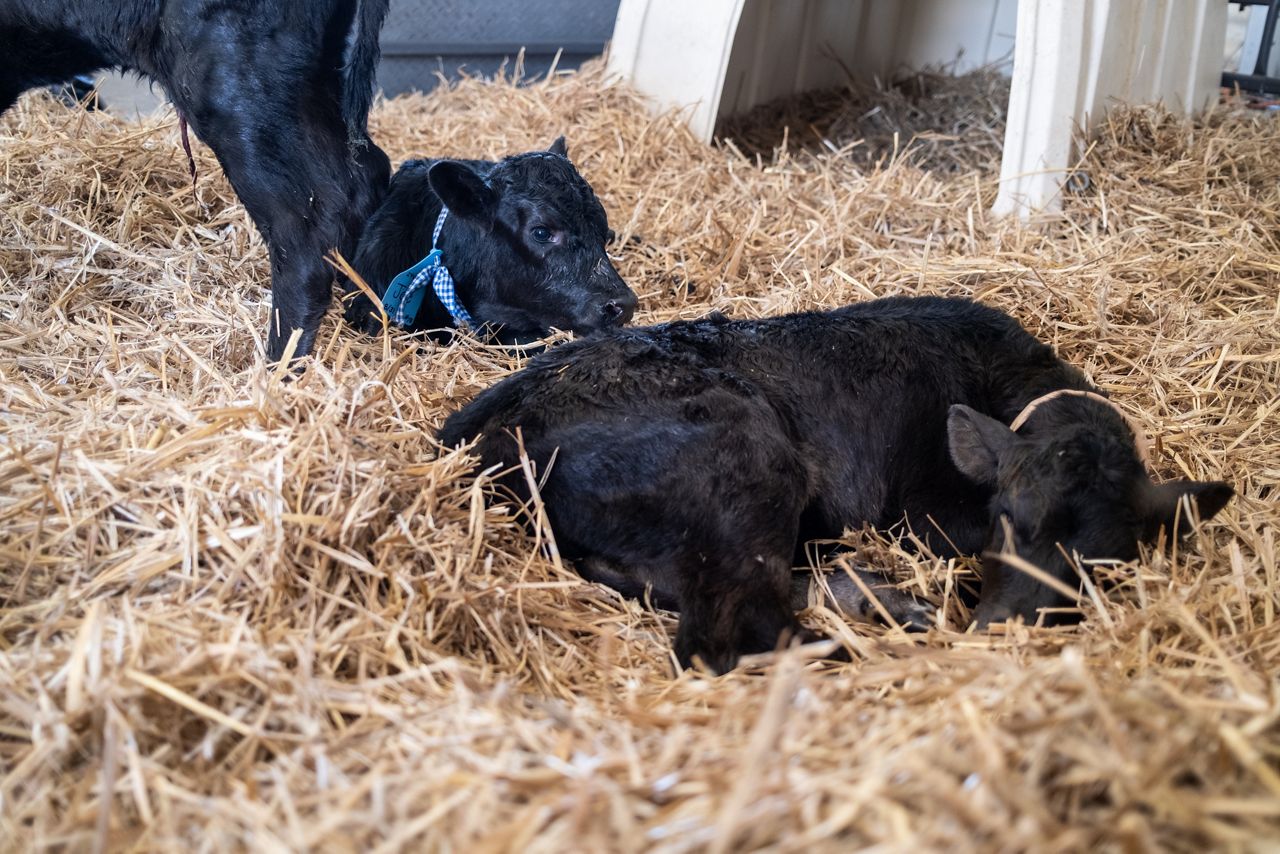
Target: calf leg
[704,514]
[736,606]
[848,596]
[728,577]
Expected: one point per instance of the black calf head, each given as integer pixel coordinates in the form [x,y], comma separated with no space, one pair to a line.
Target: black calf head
[533,247]
[1074,485]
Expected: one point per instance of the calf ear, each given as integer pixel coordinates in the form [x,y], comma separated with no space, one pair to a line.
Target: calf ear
[558,147]
[1163,504]
[976,443]
[464,192]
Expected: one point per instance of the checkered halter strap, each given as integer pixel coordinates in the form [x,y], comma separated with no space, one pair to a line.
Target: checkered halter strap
[403,297]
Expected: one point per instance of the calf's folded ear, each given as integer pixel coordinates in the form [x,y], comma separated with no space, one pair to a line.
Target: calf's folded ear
[976,442]
[464,192]
[1163,506]
[559,147]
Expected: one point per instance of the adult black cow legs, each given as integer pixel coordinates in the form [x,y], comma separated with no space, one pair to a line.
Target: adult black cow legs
[279,90]
[275,121]
[306,204]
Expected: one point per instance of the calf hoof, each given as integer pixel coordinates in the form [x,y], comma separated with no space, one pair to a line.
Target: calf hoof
[362,316]
[717,662]
[723,660]
[986,614]
[915,615]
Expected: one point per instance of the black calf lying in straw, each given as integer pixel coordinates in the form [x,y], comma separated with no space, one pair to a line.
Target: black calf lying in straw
[279,89]
[695,457]
[516,246]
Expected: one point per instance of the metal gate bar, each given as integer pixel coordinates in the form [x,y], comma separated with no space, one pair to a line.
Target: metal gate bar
[1258,81]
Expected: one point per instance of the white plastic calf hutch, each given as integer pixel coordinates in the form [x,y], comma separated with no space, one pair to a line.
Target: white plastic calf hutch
[1070,59]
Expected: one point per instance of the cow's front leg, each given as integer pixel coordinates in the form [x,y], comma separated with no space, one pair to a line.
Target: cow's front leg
[305,187]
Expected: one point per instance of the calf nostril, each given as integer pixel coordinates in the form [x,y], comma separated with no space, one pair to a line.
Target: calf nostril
[612,310]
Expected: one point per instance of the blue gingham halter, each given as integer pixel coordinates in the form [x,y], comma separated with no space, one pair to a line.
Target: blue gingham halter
[403,297]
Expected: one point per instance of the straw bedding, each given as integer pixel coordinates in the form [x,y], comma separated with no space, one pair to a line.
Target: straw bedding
[241,613]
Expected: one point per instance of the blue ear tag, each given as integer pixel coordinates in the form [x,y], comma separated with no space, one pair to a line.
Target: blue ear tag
[394,300]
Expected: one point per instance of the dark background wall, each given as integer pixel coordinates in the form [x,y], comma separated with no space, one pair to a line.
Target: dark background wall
[425,37]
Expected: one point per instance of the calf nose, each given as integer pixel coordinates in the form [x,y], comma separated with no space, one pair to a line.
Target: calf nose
[618,310]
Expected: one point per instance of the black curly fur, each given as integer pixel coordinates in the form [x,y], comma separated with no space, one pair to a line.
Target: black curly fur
[504,278]
[695,458]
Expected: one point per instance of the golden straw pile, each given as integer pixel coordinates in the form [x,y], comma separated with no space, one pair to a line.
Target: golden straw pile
[238,613]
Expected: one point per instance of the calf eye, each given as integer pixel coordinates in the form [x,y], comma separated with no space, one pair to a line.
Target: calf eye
[541,234]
